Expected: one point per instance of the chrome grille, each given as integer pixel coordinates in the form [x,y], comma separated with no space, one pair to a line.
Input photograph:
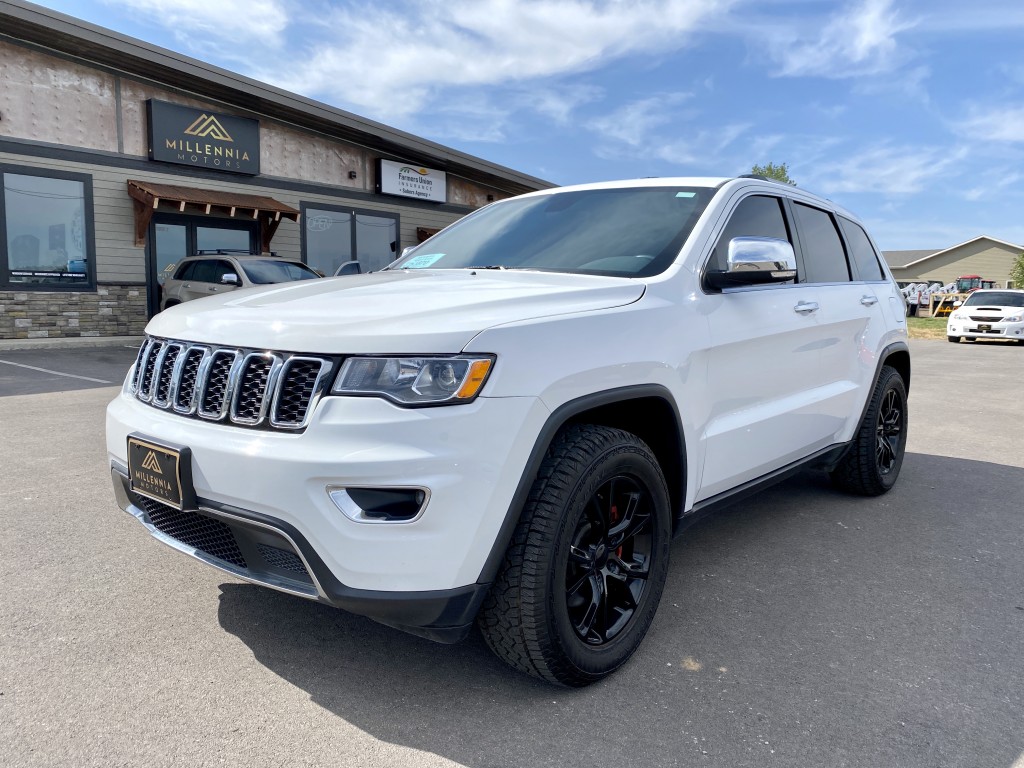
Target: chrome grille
[213,395]
[245,387]
[299,381]
[184,395]
[164,372]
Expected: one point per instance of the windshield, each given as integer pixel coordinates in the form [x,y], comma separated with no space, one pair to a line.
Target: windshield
[266,271]
[995,299]
[632,232]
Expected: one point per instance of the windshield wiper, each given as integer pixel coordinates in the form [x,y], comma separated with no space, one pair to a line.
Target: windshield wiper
[490,266]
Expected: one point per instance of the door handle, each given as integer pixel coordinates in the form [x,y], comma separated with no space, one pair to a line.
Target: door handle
[806,307]
[867,301]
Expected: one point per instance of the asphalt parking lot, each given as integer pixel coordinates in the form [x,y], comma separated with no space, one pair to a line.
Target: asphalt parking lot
[800,628]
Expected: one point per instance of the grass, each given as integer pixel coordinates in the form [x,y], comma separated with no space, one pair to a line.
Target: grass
[926,327]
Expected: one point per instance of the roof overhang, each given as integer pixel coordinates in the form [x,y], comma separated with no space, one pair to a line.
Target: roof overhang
[148,197]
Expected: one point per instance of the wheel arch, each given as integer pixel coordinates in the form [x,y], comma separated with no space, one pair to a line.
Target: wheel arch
[896,355]
[647,411]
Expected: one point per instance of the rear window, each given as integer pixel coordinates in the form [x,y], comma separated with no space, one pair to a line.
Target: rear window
[266,271]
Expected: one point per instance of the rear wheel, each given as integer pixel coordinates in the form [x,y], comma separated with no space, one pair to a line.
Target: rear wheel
[583,575]
[872,464]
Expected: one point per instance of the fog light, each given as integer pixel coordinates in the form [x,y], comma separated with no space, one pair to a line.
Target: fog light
[380,505]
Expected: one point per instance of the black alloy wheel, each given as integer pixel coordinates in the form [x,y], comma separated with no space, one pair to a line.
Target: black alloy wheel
[583,574]
[889,431]
[874,458]
[609,560]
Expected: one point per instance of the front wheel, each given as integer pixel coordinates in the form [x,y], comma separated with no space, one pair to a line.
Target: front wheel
[953,339]
[873,461]
[583,575]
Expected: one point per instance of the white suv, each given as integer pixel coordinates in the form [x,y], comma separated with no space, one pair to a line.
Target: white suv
[509,424]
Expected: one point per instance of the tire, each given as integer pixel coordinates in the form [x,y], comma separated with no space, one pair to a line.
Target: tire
[953,339]
[872,464]
[581,580]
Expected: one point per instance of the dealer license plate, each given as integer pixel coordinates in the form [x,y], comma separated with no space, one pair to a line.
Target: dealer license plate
[984,328]
[156,471]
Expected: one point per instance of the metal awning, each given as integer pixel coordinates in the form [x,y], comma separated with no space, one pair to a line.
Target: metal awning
[148,197]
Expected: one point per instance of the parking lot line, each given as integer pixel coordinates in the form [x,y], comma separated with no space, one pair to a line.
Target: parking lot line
[57,373]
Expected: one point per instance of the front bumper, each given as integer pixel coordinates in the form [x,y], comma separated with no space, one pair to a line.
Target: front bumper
[272,489]
[995,330]
[273,554]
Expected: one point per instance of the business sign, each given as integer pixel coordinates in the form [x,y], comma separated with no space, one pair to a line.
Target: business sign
[203,139]
[410,180]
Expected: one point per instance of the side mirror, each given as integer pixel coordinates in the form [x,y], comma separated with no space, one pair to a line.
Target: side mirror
[349,268]
[957,303]
[755,261]
[230,278]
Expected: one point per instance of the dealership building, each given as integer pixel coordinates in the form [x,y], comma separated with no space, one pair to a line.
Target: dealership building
[119,159]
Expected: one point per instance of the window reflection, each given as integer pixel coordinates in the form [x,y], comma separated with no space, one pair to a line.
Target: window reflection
[46,230]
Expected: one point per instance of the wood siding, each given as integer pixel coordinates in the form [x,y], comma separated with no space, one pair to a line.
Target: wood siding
[983,257]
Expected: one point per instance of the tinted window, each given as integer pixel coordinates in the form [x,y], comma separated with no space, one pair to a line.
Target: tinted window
[633,232]
[185,271]
[824,257]
[264,271]
[756,216]
[863,253]
[211,270]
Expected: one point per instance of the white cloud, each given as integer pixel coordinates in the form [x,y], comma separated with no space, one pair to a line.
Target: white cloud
[993,184]
[393,59]
[860,40]
[1003,124]
[634,123]
[886,169]
[252,21]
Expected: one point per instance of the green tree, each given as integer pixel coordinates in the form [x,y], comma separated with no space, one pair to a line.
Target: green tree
[778,172]
[1017,272]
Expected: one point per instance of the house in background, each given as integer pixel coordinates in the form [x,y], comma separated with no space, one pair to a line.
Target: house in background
[986,256]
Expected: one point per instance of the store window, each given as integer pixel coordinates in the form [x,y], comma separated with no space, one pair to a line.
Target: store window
[333,235]
[46,228]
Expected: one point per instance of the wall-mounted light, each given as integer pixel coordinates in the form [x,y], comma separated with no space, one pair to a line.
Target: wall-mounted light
[351,174]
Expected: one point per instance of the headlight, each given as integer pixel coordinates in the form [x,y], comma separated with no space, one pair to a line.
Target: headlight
[1014,319]
[958,316]
[414,380]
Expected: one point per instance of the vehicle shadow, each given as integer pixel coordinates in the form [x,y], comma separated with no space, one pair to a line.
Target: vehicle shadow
[802,627]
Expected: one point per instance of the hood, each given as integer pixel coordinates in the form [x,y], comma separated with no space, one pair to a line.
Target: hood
[407,312]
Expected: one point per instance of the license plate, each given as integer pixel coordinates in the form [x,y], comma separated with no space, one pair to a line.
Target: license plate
[984,328]
[161,472]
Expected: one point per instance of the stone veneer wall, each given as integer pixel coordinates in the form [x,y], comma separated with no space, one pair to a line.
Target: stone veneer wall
[113,310]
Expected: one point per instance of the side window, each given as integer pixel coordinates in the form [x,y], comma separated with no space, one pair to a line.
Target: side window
[205,271]
[756,216]
[863,253]
[186,271]
[221,268]
[824,256]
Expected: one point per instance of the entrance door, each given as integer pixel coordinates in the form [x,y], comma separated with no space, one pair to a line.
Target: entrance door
[173,237]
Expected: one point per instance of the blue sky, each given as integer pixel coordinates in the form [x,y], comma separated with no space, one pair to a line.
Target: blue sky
[908,112]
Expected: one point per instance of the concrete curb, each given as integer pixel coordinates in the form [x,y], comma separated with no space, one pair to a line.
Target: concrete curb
[71,342]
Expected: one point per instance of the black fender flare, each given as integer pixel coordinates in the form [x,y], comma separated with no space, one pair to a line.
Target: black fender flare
[555,421]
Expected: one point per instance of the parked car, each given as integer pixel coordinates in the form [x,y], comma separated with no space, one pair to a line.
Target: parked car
[210,274]
[988,314]
[509,424]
